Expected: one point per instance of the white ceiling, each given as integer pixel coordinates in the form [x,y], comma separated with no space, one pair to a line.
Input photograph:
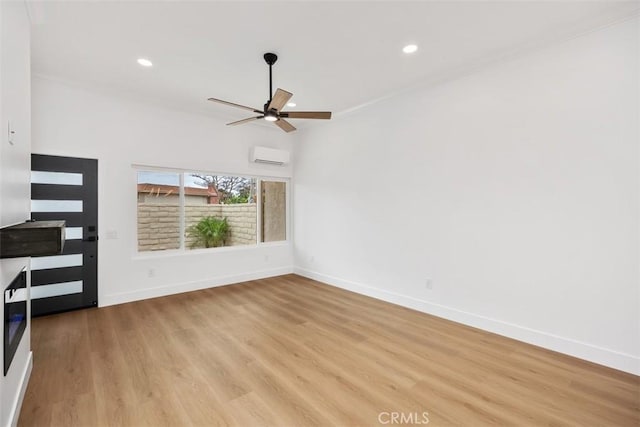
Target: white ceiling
[333,55]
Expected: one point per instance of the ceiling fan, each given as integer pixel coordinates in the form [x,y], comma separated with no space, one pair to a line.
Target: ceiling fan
[272,111]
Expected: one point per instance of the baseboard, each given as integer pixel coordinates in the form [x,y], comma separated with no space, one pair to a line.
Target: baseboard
[161,291]
[24,381]
[582,350]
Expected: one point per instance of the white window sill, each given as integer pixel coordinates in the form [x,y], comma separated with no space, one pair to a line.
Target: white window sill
[168,253]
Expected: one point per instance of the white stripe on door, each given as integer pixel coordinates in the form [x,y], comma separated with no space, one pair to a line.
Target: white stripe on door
[56,289]
[71,233]
[56,206]
[56,261]
[59,178]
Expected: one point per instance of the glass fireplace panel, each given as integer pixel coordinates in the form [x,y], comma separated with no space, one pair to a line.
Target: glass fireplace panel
[15,316]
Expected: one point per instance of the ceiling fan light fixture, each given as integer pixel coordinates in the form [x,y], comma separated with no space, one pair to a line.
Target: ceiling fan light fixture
[270,117]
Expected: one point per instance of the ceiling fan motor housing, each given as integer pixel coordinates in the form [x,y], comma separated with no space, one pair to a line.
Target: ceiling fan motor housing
[270,115]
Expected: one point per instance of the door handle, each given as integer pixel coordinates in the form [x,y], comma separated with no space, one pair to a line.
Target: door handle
[90,239]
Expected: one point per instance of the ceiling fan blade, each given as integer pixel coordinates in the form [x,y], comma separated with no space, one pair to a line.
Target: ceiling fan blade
[244,107]
[279,100]
[239,122]
[285,125]
[325,115]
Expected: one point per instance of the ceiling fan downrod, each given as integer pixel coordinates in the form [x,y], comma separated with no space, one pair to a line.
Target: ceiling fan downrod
[271,59]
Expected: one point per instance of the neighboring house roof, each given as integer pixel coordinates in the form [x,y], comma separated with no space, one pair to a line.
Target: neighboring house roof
[167,190]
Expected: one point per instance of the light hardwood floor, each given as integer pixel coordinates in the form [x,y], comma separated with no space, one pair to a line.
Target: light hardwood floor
[289,351]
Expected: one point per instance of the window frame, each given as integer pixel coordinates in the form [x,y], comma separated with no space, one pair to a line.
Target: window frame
[182,250]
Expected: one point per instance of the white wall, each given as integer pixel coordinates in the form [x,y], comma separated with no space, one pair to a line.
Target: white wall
[515,189]
[15,108]
[14,180]
[119,132]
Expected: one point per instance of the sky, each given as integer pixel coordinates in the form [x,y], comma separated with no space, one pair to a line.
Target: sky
[168,178]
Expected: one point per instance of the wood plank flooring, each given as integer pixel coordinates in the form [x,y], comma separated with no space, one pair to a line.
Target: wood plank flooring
[289,351]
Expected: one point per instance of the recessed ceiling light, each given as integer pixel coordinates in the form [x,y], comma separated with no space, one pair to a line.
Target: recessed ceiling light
[291,104]
[145,62]
[410,48]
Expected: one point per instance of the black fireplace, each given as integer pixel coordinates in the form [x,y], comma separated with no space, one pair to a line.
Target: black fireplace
[15,316]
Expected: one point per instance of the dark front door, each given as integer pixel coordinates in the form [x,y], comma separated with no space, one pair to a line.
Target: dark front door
[66,188]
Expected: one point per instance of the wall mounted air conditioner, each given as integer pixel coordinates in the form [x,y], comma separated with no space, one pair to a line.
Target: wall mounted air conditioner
[270,156]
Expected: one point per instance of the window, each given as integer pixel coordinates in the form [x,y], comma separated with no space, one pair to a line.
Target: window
[193,210]
[274,209]
[158,211]
[219,210]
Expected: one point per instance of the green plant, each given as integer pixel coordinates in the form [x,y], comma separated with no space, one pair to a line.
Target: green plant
[234,200]
[210,232]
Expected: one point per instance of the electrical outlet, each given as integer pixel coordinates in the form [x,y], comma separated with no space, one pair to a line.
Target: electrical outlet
[11,133]
[428,283]
[151,273]
[266,258]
